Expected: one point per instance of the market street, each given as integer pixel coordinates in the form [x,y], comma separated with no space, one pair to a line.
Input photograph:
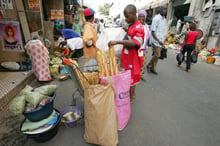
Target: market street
[175,108]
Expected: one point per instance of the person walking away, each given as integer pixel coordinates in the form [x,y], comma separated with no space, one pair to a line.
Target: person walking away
[90,36]
[40,59]
[142,53]
[77,26]
[129,56]
[189,45]
[102,26]
[76,47]
[158,34]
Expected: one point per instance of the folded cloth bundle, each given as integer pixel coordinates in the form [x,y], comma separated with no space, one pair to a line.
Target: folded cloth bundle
[28,125]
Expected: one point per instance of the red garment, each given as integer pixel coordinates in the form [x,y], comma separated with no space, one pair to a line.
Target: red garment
[129,57]
[66,51]
[191,36]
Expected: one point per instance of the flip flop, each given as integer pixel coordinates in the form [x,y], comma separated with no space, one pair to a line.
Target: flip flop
[132,99]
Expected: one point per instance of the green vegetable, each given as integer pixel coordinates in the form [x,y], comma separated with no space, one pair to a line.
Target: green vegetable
[26,89]
[17,105]
[34,98]
[56,60]
[46,90]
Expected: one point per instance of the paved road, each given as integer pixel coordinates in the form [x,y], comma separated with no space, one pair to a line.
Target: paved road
[174,108]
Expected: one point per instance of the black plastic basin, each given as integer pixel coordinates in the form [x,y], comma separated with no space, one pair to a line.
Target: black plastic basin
[47,135]
[40,113]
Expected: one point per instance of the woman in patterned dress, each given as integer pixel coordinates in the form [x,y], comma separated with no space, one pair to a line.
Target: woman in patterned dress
[40,59]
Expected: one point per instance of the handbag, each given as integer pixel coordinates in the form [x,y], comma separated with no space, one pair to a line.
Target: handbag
[163,53]
[179,57]
[194,57]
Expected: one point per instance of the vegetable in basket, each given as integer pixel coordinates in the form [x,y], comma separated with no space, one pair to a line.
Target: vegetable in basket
[34,98]
[26,89]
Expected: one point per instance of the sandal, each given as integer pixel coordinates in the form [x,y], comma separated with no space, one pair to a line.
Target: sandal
[132,99]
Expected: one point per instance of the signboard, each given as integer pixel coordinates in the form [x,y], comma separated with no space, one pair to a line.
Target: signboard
[10,36]
[6,4]
[57,14]
[34,4]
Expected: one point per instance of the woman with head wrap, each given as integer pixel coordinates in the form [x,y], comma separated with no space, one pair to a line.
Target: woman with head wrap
[40,59]
[90,38]
[142,15]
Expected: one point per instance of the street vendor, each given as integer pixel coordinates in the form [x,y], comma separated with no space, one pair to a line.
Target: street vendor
[69,33]
[129,56]
[76,47]
[89,35]
[39,56]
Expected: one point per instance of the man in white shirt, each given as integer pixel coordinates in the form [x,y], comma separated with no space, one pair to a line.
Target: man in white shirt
[76,47]
[158,33]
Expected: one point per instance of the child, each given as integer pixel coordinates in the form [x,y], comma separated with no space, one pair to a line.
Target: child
[129,57]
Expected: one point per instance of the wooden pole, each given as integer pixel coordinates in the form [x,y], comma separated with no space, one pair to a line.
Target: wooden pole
[23,19]
[42,18]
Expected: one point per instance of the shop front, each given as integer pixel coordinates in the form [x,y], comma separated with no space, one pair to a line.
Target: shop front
[181,8]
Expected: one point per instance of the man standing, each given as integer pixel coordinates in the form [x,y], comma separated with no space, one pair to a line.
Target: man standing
[158,33]
[129,56]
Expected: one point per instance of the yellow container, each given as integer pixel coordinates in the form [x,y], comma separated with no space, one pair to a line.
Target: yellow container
[210,60]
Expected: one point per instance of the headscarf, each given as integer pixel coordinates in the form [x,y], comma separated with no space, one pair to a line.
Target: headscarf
[142,12]
[88,12]
[69,33]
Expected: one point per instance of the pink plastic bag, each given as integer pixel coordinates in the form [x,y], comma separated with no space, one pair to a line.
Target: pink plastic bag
[121,84]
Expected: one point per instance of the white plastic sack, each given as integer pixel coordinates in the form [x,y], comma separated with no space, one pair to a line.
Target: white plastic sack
[109,34]
[91,65]
[11,65]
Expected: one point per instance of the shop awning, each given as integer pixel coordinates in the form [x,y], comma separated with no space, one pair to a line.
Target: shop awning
[154,4]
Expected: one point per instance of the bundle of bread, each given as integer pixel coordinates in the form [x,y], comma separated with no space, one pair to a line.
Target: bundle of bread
[107,62]
[102,60]
[113,67]
[92,77]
